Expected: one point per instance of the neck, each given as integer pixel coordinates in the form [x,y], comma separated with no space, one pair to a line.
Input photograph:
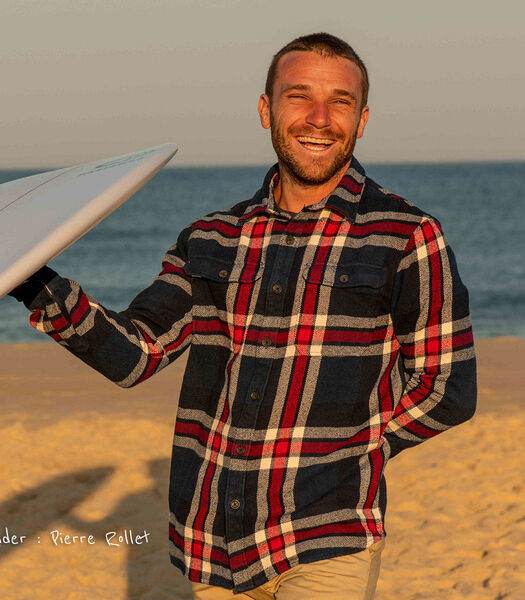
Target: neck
[293,195]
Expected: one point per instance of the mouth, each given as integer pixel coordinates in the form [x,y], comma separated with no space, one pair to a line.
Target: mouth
[314,144]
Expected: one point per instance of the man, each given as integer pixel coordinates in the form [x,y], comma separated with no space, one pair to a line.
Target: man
[329,331]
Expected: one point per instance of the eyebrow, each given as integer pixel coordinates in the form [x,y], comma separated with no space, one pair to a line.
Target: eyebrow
[304,88]
[345,93]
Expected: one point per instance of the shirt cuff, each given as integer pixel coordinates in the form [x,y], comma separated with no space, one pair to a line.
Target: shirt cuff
[27,291]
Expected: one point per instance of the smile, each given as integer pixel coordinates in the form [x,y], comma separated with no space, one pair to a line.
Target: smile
[314,144]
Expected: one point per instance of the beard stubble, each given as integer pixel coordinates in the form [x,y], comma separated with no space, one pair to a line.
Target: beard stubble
[315,172]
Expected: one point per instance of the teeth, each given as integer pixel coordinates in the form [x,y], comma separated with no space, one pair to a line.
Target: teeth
[313,140]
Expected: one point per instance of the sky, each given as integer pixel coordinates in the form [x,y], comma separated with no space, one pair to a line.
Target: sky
[85,80]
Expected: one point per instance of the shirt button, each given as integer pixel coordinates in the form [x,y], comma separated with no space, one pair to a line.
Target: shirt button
[290,239]
[277,288]
[240,450]
[223,273]
[254,395]
[267,342]
[343,278]
[235,504]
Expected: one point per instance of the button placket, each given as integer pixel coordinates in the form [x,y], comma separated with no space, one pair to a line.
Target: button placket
[280,272]
[247,420]
[253,397]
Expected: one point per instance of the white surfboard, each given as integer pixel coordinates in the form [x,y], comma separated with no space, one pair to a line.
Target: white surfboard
[42,215]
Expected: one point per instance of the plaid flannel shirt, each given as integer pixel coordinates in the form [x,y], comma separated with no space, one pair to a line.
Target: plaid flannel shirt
[321,345]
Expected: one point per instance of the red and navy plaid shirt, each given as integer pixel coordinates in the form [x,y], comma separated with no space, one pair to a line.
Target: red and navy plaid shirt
[321,344]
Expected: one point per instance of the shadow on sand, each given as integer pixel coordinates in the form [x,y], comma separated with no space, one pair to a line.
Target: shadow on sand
[37,510]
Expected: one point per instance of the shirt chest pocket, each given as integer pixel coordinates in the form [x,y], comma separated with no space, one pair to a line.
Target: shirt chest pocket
[223,282]
[345,289]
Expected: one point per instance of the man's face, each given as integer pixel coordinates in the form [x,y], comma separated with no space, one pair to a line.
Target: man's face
[315,116]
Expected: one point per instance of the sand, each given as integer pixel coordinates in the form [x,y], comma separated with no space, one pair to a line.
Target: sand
[82,457]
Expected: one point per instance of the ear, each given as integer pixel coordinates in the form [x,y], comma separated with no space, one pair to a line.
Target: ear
[362,122]
[264,111]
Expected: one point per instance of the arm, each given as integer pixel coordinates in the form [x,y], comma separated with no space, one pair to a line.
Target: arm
[431,321]
[126,347]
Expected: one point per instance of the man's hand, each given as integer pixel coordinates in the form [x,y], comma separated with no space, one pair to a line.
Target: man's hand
[27,291]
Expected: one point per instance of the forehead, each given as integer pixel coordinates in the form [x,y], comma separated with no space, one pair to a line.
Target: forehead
[310,68]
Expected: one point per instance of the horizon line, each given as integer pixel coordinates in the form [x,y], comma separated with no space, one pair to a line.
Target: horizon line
[268,164]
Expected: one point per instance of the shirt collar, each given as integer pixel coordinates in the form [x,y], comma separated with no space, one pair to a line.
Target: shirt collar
[345,198]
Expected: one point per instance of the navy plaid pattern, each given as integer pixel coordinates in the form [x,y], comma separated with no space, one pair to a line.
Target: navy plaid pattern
[321,345]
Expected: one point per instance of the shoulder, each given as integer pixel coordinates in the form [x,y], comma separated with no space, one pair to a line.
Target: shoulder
[215,233]
[380,205]
[228,216]
[377,198]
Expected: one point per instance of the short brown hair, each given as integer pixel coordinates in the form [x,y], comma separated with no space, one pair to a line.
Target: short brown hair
[324,44]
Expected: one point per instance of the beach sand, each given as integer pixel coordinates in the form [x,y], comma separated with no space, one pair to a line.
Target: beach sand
[81,456]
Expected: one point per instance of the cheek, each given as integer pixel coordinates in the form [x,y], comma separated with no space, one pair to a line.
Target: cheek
[348,123]
[289,118]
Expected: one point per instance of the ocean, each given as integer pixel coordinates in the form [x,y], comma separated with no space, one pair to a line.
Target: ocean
[480,206]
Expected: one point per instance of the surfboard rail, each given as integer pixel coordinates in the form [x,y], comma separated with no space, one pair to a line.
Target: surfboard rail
[43,214]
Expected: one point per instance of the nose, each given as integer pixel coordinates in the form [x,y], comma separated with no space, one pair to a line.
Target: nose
[319,116]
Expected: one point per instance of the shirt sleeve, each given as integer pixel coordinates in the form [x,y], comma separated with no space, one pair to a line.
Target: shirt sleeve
[129,346]
[430,313]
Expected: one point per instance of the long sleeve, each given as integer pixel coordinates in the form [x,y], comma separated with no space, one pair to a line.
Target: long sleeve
[431,321]
[126,347]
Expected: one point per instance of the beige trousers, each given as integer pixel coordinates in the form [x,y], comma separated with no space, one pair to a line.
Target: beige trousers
[348,577]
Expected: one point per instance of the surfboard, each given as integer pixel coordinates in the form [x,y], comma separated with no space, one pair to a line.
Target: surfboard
[42,215]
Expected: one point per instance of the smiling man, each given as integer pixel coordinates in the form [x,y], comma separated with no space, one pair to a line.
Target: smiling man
[315,105]
[329,331]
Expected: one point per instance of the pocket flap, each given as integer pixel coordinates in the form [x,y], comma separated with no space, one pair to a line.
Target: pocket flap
[346,275]
[218,269]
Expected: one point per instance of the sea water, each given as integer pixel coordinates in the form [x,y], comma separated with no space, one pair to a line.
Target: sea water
[479,205]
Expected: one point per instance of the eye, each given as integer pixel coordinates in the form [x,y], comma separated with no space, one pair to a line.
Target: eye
[343,102]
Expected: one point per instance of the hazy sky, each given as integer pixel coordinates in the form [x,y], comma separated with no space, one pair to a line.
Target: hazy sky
[82,80]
